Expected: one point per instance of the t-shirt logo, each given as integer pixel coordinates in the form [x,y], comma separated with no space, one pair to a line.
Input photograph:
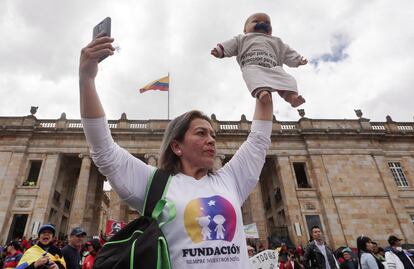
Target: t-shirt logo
[210,218]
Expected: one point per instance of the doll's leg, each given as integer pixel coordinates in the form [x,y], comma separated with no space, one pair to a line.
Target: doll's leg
[264,95]
[292,98]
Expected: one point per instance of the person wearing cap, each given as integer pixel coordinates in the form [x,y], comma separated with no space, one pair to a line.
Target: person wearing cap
[43,255]
[71,252]
[93,246]
[396,256]
[13,256]
[346,261]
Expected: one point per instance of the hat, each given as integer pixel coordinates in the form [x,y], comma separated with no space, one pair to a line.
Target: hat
[77,231]
[48,227]
[347,250]
[393,239]
[250,248]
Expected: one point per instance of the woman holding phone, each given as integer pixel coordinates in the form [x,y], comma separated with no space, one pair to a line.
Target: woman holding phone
[207,231]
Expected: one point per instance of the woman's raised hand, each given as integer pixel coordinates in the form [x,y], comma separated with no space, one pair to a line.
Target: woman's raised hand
[92,54]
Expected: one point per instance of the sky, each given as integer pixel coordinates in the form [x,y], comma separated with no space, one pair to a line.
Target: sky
[361,57]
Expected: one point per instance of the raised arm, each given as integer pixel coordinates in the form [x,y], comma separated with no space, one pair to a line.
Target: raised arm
[263,111]
[90,105]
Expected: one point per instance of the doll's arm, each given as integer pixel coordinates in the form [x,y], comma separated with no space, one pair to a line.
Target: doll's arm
[292,58]
[228,48]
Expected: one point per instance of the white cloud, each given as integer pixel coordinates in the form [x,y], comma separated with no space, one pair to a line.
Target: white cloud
[43,39]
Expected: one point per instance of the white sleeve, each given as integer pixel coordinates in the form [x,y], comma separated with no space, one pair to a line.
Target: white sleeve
[246,165]
[229,48]
[291,58]
[127,175]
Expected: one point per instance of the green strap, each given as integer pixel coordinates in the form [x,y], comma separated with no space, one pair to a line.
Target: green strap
[159,207]
[166,262]
[159,262]
[131,257]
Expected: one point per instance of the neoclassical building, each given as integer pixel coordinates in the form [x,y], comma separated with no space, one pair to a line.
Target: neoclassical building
[350,176]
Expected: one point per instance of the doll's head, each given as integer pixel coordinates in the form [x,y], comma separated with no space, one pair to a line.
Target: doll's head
[258,23]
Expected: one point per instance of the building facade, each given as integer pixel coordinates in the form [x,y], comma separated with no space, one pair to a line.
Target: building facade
[350,177]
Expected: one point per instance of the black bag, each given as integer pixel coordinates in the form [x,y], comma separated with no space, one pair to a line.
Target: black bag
[141,243]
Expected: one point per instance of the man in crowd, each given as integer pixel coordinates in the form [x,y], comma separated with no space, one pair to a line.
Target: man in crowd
[317,254]
[71,252]
[396,256]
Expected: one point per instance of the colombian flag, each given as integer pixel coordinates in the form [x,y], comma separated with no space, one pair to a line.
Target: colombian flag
[161,84]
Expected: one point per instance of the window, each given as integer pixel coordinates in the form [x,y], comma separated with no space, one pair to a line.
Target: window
[278,195]
[313,220]
[67,205]
[56,197]
[398,174]
[268,205]
[52,215]
[34,172]
[17,226]
[301,177]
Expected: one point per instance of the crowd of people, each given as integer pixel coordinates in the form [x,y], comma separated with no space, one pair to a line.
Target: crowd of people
[45,252]
[366,255]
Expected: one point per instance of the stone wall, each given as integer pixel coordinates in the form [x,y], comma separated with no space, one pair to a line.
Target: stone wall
[351,187]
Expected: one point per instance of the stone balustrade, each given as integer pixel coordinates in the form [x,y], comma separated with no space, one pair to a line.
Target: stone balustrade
[304,125]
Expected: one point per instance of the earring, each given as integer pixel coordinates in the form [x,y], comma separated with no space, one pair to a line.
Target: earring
[179,152]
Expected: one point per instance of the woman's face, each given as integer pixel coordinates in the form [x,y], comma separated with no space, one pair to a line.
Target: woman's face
[369,246]
[198,148]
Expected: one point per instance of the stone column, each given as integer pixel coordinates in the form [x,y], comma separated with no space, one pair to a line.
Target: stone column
[10,166]
[152,158]
[218,161]
[46,183]
[77,211]
[330,214]
[288,189]
[118,209]
[257,212]
[93,203]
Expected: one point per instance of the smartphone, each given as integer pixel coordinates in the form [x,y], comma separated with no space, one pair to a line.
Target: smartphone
[102,27]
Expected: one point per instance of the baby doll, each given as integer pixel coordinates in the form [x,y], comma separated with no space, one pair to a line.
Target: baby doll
[261,56]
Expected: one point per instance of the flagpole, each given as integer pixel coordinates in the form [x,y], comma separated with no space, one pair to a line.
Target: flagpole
[168,106]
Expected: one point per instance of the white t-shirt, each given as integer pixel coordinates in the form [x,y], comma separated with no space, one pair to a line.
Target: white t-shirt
[207,231]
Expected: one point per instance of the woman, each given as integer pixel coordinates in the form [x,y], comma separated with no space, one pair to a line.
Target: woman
[43,255]
[366,259]
[14,254]
[208,227]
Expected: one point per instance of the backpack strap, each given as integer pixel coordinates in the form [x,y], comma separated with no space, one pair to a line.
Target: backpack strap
[155,192]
